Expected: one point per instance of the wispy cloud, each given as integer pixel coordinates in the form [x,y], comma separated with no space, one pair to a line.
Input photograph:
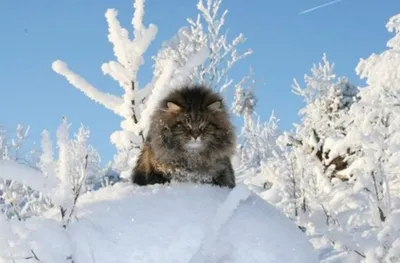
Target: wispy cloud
[320,6]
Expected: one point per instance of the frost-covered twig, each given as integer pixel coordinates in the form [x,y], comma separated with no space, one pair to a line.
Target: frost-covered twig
[293,179]
[223,55]
[206,31]
[137,102]
[34,256]
[77,193]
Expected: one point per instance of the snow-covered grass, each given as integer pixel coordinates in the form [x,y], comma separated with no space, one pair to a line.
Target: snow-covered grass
[180,222]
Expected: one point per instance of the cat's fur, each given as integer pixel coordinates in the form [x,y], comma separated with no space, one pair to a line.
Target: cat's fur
[171,151]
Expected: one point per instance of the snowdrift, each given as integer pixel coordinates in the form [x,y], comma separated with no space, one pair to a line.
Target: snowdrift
[175,223]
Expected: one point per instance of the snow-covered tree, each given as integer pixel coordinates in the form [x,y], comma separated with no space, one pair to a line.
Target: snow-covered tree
[80,157]
[76,166]
[258,141]
[244,99]
[136,104]
[56,182]
[337,174]
[325,116]
[314,154]
[15,147]
[18,200]
[303,177]
[206,31]
[77,163]
[376,130]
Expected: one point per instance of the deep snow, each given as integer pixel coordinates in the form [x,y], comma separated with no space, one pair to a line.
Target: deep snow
[164,223]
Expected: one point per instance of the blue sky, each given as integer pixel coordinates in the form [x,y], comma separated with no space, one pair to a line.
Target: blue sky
[285,44]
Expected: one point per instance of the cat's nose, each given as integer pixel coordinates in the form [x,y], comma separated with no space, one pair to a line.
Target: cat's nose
[195,134]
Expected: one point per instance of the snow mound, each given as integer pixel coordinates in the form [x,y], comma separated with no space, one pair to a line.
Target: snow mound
[175,223]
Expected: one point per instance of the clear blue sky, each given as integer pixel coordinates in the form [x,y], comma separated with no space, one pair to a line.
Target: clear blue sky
[285,44]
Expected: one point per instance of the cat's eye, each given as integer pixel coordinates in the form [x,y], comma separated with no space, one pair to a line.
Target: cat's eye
[202,127]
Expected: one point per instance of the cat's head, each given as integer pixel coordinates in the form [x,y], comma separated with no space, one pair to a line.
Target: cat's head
[194,120]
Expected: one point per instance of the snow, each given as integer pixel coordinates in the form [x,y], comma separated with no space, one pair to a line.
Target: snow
[335,176]
[179,222]
[11,170]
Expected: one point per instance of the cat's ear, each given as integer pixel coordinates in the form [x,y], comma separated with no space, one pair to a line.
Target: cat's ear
[215,106]
[172,107]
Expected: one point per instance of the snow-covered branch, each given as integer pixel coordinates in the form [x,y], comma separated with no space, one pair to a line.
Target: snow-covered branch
[206,31]
[129,57]
[109,101]
[138,101]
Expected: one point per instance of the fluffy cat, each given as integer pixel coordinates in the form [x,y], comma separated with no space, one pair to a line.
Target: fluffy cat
[190,139]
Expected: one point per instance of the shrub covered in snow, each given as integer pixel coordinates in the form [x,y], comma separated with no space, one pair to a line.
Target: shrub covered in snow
[337,174]
[18,200]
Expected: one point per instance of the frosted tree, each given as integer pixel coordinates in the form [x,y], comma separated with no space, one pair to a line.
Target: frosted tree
[77,167]
[376,130]
[18,200]
[56,182]
[322,152]
[129,57]
[324,118]
[306,174]
[82,159]
[244,99]
[314,153]
[327,99]
[137,102]
[368,204]
[15,147]
[207,31]
[78,163]
[258,141]
[338,175]
[294,183]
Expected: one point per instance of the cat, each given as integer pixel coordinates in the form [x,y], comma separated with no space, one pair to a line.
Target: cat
[190,139]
